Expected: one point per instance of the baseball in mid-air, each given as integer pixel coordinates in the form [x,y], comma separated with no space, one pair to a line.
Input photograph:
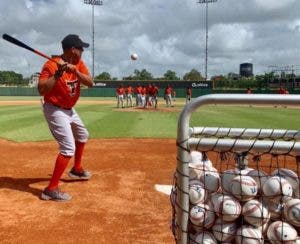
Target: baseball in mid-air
[134,56]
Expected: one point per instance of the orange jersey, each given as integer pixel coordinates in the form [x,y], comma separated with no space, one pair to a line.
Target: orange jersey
[66,90]
[168,90]
[138,90]
[129,90]
[120,91]
[189,91]
[154,90]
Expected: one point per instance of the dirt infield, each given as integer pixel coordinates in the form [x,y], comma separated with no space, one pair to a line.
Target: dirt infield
[118,205]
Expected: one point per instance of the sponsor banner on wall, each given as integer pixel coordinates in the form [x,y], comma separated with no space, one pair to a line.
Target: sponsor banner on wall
[161,84]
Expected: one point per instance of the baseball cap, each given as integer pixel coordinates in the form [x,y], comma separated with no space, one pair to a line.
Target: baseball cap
[73,40]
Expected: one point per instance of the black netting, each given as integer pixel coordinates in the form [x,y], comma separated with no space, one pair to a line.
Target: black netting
[240,197]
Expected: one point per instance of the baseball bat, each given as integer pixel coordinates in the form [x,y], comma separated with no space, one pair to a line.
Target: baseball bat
[23,45]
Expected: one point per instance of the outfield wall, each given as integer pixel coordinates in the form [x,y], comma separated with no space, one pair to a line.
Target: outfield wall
[111,92]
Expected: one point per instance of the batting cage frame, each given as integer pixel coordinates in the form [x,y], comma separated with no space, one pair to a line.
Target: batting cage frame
[239,141]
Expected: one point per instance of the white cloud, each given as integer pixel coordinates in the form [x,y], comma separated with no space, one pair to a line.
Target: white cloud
[231,37]
[167,34]
[274,4]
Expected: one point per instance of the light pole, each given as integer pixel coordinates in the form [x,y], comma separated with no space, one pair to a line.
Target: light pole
[206,37]
[93,3]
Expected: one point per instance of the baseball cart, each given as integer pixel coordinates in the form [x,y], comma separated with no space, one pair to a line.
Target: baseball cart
[236,185]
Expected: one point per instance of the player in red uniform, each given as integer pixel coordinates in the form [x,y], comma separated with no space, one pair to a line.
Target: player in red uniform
[188,94]
[138,92]
[155,95]
[120,96]
[128,92]
[168,95]
[60,86]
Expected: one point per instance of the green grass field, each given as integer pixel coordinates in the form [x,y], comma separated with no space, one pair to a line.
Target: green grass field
[26,122]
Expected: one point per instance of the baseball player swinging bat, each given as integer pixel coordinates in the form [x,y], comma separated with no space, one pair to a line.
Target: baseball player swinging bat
[23,45]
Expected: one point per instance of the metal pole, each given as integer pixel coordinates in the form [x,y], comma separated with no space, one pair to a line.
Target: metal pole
[206,30]
[206,40]
[93,3]
[93,42]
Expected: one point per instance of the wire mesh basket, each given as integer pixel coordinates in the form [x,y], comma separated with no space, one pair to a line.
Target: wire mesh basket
[236,185]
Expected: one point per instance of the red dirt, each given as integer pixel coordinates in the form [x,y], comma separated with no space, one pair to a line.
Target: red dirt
[118,205]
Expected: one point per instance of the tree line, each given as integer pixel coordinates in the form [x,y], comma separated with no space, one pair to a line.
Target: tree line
[11,78]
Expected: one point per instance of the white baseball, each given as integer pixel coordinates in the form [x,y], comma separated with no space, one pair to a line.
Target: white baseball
[243,187]
[279,232]
[259,176]
[197,169]
[194,182]
[197,194]
[224,231]
[247,234]
[291,177]
[276,188]
[255,213]
[202,216]
[228,175]
[227,208]
[292,212]
[211,180]
[195,157]
[226,178]
[208,162]
[205,238]
[134,56]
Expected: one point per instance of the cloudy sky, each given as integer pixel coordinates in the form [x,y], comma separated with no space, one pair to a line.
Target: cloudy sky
[166,34]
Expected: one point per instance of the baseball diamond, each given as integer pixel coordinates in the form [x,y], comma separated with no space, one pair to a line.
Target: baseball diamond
[122,191]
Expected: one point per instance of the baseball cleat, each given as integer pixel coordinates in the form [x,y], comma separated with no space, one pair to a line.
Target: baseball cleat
[81,175]
[55,195]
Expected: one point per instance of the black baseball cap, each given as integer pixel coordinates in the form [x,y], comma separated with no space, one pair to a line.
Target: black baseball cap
[73,40]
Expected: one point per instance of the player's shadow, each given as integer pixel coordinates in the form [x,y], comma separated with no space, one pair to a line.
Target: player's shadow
[22,184]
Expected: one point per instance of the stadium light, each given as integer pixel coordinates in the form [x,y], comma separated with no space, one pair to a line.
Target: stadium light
[206,39]
[93,3]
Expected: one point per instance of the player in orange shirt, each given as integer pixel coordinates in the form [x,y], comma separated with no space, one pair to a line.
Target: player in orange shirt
[138,92]
[60,86]
[149,90]
[120,96]
[128,93]
[155,95]
[168,95]
[188,94]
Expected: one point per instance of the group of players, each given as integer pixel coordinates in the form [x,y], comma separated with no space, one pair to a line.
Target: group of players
[145,96]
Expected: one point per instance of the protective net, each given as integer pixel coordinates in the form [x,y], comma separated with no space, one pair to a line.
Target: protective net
[243,187]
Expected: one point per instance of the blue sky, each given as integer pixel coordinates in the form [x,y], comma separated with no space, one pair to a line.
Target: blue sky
[167,35]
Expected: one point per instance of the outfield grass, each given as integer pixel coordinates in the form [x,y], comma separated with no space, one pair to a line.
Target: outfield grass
[26,123]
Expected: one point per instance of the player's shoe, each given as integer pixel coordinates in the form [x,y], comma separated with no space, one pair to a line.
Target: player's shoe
[81,174]
[55,195]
